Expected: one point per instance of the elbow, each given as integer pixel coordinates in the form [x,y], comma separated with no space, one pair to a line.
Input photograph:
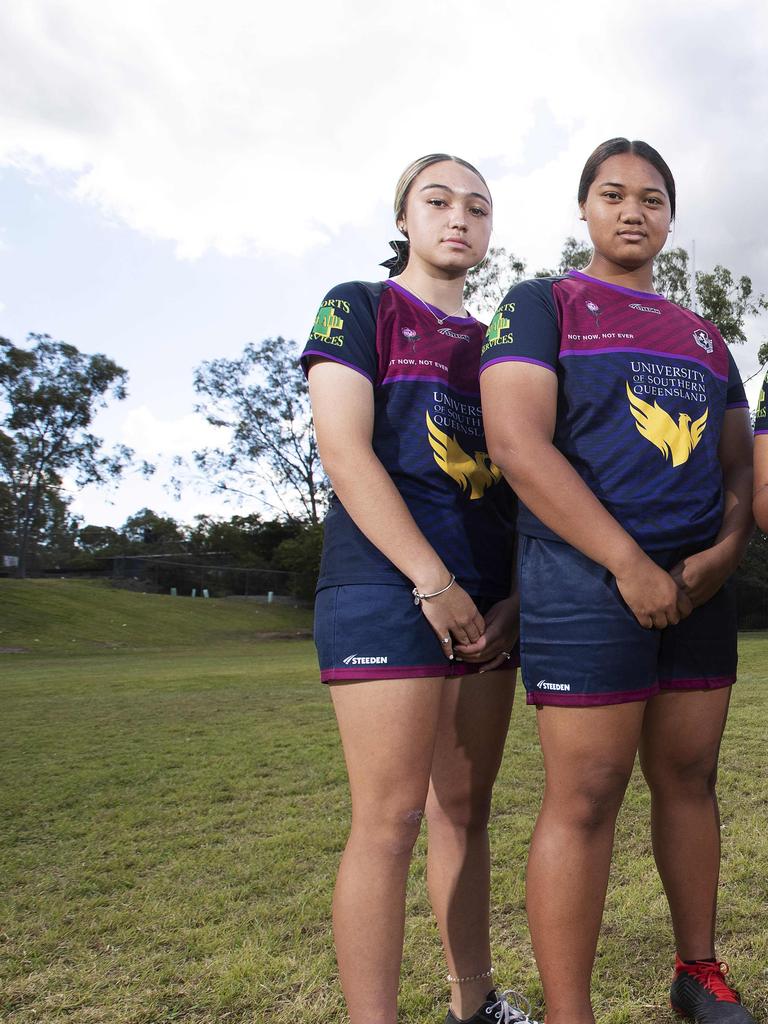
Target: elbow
[511,459]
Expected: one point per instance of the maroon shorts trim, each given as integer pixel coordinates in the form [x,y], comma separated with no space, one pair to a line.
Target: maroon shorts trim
[702,683]
[594,700]
[442,671]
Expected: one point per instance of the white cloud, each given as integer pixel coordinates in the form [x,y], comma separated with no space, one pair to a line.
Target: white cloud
[245,126]
[151,436]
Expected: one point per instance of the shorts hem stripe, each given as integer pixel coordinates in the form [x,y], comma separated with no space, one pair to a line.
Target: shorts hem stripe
[700,683]
[329,675]
[582,700]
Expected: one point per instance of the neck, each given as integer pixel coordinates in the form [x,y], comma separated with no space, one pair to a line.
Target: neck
[433,286]
[639,279]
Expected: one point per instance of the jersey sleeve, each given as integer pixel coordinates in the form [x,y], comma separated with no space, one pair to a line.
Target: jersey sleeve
[761,416]
[736,397]
[525,327]
[345,330]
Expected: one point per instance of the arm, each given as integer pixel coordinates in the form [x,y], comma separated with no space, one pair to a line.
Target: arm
[701,575]
[760,502]
[519,406]
[342,407]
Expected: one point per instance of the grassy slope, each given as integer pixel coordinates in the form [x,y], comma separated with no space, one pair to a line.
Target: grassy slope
[173,820]
[68,617]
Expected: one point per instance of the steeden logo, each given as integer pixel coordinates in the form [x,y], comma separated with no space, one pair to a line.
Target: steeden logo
[354,659]
[544,684]
[644,309]
[453,334]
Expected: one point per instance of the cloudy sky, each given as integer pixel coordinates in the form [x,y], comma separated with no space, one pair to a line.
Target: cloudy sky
[177,179]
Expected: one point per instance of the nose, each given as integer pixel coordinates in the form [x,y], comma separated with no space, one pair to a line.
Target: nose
[458,217]
[632,212]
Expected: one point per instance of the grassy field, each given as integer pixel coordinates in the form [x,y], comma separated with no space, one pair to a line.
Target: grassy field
[174,805]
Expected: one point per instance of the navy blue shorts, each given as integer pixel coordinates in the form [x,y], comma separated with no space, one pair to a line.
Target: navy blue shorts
[581,645]
[377,632]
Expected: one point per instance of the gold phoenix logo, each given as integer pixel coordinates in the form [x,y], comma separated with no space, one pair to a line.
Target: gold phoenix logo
[672,439]
[475,474]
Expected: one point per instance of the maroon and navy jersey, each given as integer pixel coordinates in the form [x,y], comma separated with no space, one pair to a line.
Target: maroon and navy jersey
[427,433]
[643,386]
[761,416]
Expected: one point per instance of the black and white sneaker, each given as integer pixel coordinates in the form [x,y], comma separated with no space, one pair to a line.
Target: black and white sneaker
[499,1008]
[701,993]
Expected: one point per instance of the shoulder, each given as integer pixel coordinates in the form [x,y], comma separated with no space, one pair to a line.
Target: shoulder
[533,289]
[368,292]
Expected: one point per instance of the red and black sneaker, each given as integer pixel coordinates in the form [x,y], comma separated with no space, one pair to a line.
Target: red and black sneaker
[701,993]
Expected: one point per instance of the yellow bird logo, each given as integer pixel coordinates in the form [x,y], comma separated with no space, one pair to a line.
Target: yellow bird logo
[475,474]
[672,439]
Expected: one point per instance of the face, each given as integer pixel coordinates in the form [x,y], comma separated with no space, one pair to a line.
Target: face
[627,211]
[447,217]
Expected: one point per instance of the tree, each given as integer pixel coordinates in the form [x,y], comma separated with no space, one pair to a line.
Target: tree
[301,556]
[262,401]
[49,395]
[147,532]
[489,281]
[247,540]
[721,298]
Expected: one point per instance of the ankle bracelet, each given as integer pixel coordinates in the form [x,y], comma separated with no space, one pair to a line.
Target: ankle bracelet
[472,977]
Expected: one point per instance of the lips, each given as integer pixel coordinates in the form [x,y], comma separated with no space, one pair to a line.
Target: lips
[632,236]
[456,241]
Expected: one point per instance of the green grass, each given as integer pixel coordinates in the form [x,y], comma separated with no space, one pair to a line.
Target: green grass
[173,817]
[84,616]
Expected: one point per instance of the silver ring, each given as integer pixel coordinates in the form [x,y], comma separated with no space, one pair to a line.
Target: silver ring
[446,639]
[507,655]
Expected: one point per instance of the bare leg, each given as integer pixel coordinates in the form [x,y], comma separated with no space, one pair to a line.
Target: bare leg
[474,718]
[388,732]
[588,758]
[678,751]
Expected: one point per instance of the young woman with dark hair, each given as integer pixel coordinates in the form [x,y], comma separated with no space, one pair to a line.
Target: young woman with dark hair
[621,422]
[413,601]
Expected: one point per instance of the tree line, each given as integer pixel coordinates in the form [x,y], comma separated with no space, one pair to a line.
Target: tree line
[50,393]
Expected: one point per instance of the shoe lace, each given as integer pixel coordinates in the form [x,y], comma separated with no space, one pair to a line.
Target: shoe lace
[712,977]
[508,1008]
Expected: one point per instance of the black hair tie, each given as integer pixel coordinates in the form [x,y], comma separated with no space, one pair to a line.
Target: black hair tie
[397,263]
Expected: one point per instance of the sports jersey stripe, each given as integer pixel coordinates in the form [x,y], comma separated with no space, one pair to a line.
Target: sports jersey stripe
[761,432]
[652,296]
[517,359]
[643,352]
[405,379]
[334,359]
[737,405]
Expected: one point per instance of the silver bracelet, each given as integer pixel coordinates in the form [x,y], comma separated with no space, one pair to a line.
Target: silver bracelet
[418,598]
[472,977]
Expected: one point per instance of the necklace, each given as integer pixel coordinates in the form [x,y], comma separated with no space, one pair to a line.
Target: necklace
[440,320]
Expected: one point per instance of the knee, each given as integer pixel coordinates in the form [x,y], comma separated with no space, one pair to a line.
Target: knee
[591,801]
[391,831]
[463,810]
[683,776]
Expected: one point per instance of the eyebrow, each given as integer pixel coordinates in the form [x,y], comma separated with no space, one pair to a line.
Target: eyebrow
[618,184]
[449,189]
